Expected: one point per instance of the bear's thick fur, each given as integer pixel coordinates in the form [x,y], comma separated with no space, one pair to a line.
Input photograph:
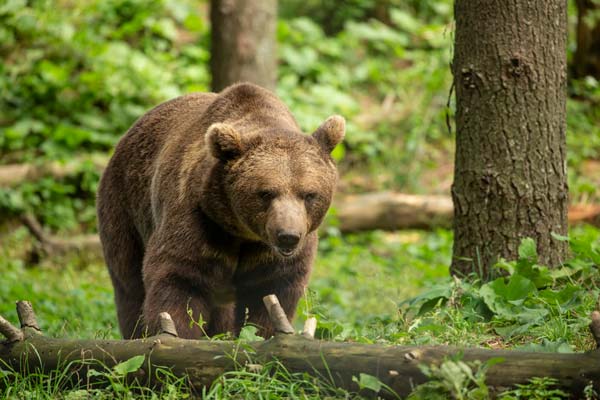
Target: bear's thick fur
[210,202]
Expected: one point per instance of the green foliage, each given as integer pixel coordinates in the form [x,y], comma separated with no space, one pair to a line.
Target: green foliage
[537,389]
[334,15]
[531,301]
[357,284]
[129,366]
[378,62]
[455,379]
[102,382]
[271,381]
[77,301]
[76,76]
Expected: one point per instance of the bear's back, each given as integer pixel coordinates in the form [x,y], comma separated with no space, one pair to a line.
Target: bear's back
[131,169]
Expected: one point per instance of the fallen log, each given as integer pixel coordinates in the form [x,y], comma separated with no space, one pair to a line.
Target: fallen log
[13,174]
[394,211]
[203,361]
[52,245]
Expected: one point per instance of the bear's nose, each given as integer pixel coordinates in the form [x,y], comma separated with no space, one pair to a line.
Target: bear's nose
[287,240]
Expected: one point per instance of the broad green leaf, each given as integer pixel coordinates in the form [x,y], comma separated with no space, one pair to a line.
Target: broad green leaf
[367,381]
[517,288]
[128,366]
[248,333]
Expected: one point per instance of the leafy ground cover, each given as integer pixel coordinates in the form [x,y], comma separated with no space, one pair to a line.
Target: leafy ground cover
[372,288]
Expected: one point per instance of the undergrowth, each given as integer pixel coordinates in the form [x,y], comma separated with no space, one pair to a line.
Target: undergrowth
[368,288]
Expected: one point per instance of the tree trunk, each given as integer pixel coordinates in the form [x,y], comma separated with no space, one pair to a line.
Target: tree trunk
[243,42]
[203,361]
[587,56]
[510,171]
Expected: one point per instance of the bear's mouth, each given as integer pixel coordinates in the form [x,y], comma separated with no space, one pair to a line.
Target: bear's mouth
[286,252]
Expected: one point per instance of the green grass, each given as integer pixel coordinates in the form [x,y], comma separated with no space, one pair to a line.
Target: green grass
[374,287]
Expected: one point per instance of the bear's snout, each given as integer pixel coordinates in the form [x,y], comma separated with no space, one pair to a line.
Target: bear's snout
[286,225]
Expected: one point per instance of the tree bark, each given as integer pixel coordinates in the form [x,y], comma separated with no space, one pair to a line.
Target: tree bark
[243,42]
[203,361]
[510,171]
[587,55]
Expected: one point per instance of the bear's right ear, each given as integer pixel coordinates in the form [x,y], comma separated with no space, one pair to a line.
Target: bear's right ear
[330,133]
[224,141]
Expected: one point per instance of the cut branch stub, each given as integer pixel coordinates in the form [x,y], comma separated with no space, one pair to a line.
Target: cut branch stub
[167,326]
[10,332]
[310,327]
[277,315]
[26,315]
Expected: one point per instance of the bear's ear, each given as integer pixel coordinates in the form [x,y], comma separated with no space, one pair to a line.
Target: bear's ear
[330,133]
[224,141]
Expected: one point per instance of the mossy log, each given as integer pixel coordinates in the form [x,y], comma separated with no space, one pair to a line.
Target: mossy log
[203,361]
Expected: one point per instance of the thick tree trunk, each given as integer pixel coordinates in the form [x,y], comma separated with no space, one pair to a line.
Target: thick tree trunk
[203,361]
[587,56]
[243,42]
[510,171]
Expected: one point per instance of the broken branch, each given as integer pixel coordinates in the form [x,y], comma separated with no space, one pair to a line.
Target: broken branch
[277,315]
[10,332]
[26,315]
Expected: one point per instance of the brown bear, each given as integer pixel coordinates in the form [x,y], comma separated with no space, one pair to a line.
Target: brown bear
[210,202]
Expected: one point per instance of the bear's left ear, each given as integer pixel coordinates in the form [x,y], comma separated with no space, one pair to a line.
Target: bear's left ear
[224,141]
[330,133]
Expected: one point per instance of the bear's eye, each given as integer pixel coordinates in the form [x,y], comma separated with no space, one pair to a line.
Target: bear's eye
[310,197]
[266,195]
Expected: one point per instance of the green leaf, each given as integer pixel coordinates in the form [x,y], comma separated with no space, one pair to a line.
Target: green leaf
[538,274]
[518,288]
[248,334]
[367,381]
[547,347]
[128,366]
[527,250]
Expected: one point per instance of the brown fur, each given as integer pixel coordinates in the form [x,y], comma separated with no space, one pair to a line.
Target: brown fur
[202,204]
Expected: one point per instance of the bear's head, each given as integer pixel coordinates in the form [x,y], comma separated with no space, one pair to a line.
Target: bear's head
[279,183]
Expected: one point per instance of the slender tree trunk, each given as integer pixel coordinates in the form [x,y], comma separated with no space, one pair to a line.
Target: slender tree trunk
[243,42]
[587,55]
[510,172]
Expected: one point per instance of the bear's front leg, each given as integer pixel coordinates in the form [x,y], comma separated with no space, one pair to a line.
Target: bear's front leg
[262,273]
[199,301]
